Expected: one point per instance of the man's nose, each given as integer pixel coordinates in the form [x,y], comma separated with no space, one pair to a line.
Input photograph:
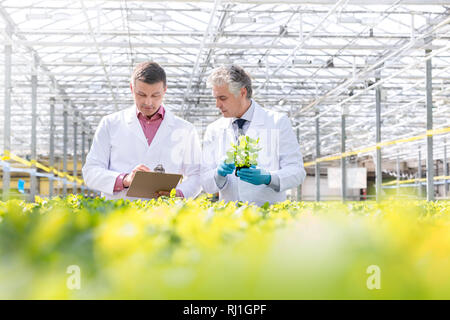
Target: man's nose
[149,101]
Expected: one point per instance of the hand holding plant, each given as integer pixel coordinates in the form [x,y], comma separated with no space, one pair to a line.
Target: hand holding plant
[254,175]
[225,168]
[244,154]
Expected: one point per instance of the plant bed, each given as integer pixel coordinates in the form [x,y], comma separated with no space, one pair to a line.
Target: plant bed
[196,249]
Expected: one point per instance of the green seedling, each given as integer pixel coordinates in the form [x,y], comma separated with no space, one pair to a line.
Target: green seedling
[244,154]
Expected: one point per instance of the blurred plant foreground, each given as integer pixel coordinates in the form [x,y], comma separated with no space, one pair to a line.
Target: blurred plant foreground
[81,248]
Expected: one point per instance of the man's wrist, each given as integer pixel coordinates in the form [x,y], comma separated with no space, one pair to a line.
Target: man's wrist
[123,180]
[179,193]
[268,179]
[218,172]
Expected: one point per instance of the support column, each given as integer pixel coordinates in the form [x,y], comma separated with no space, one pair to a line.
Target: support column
[83,153]
[89,142]
[52,144]
[378,172]
[299,188]
[398,173]
[317,165]
[445,170]
[90,135]
[75,151]
[430,167]
[7,114]
[65,140]
[419,171]
[343,159]
[33,179]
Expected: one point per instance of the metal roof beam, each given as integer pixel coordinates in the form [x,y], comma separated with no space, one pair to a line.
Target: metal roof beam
[237,46]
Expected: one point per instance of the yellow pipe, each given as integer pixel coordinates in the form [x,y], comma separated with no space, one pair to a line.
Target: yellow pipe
[378,146]
[7,155]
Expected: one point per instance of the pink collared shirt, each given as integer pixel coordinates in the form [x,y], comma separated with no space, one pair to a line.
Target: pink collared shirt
[150,126]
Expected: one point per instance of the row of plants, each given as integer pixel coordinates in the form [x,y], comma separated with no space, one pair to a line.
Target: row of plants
[177,249]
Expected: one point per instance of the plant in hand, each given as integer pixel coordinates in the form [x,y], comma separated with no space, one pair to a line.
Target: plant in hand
[244,154]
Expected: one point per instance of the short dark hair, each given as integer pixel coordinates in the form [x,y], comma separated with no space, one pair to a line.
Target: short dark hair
[149,72]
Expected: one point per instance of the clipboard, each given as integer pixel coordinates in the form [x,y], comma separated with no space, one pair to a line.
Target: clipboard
[145,184]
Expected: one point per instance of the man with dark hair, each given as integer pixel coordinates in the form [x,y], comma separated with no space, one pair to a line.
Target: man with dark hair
[149,72]
[144,137]
[280,162]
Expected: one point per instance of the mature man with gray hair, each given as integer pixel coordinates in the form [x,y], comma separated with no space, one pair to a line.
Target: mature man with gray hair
[280,162]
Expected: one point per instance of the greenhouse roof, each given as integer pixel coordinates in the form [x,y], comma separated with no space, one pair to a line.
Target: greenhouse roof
[308,59]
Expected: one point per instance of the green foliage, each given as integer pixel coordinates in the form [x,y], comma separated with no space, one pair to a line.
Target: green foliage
[169,248]
[244,153]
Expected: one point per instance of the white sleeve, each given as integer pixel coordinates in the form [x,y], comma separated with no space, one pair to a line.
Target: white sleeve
[220,180]
[209,166]
[274,182]
[191,166]
[96,173]
[291,172]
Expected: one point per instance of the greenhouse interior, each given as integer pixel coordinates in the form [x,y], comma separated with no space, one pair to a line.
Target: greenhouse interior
[365,86]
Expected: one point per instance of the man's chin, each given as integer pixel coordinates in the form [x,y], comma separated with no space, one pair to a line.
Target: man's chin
[148,112]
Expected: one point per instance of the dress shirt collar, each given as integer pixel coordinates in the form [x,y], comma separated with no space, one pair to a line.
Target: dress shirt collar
[158,115]
[248,115]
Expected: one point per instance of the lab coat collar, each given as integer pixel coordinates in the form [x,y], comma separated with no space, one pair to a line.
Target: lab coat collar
[248,115]
[158,114]
[130,115]
[258,114]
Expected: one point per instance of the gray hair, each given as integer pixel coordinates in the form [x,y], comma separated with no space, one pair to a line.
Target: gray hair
[234,76]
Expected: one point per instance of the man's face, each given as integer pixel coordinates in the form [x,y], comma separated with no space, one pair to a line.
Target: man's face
[148,97]
[227,102]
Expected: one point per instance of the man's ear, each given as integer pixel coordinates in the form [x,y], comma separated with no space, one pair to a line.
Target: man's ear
[131,87]
[243,92]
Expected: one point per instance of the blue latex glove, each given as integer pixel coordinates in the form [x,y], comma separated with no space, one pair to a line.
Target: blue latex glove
[223,169]
[254,176]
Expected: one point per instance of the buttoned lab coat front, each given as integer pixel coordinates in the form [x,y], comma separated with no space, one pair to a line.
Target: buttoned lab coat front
[280,155]
[119,145]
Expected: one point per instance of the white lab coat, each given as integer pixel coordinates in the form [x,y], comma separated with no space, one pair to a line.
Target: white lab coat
[120,145]
[280,155]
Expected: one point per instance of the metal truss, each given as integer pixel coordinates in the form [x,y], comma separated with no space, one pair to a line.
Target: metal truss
[313,59]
